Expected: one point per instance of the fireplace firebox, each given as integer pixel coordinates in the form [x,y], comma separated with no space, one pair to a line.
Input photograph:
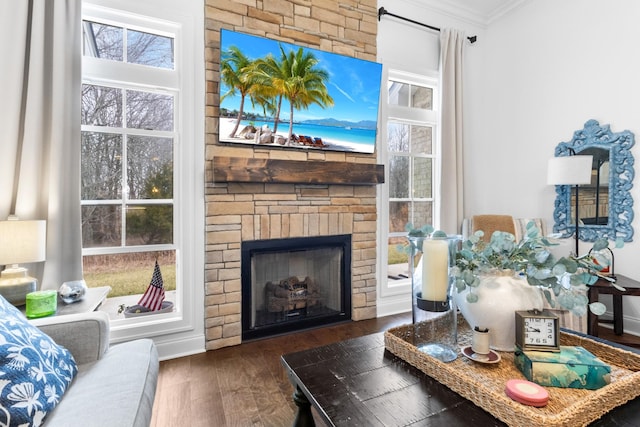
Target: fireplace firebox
[294,284]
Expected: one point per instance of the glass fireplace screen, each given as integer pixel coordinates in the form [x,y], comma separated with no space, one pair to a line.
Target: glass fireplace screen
[295,283]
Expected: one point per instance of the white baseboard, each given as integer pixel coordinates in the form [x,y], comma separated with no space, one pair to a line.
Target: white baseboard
[631,325]
[393,305]
[180,347]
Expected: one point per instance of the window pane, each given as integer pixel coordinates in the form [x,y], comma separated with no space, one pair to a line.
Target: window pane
[101,226]
[422,97]
[151,111]
[398,254]
[398,177]
[129,273]
[422,177]
[399,93]
[102,41]
[149,224]
[421,139]
[150,167]
[398,137]
[101,106]
[398,216]
[406,95]
[101,166]
[422,213]
[149,49]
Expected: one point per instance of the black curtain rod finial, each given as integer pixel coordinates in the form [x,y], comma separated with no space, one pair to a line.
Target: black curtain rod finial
[382,11]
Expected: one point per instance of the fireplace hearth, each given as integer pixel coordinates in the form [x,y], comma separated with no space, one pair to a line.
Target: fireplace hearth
[294,284]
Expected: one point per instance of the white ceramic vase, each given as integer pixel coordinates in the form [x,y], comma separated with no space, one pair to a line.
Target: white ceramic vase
[500,295]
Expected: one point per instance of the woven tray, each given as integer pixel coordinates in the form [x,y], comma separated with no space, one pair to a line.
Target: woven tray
[484,384]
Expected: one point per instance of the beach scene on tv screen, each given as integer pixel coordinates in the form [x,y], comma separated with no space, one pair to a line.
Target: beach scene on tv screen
[277,94]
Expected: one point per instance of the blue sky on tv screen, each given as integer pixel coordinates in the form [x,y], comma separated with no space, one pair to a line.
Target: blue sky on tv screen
[354,84]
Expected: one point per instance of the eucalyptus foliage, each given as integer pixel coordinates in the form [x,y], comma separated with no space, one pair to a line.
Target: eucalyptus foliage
[566,278]
[424,231]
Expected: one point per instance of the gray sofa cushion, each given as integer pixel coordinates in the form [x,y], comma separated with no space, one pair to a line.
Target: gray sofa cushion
[117,390]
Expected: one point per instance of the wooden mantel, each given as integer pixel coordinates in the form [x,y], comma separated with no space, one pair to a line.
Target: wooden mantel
[241,169]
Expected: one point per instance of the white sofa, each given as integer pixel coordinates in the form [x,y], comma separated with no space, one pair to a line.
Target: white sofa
[115,385]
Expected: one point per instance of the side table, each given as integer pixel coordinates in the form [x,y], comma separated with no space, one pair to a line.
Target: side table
[602,286]
[91,301]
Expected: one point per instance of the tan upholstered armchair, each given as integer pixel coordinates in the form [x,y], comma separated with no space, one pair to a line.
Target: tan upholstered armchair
[491,223]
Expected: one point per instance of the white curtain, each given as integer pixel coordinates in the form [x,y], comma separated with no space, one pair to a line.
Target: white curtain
[452,189]
[40,127]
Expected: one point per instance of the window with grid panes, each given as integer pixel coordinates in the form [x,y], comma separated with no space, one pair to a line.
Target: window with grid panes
[411,156]
[129,123]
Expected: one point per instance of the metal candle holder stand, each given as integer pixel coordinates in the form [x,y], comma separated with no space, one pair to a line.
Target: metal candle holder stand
[433,306]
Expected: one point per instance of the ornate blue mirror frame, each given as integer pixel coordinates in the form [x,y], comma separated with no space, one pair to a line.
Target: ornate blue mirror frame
[596,138]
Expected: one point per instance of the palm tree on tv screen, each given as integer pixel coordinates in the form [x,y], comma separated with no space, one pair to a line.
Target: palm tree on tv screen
[305,82]
[234,69]
[271,77]
[295,76]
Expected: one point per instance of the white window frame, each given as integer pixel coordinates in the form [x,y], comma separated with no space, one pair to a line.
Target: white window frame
[182,331]
[398,292]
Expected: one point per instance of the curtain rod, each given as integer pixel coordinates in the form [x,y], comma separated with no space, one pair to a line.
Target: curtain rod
[382,11]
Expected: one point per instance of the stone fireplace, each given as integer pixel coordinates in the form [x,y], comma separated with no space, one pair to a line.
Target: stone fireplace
[278,194]
[294,284]
[239,212]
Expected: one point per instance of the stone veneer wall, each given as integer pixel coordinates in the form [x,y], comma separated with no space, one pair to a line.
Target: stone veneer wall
[252,211]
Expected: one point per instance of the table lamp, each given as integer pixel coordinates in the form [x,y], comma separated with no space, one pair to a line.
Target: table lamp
[570,170]
[20,242]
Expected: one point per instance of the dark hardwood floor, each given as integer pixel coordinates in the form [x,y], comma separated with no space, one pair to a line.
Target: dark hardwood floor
[244,385]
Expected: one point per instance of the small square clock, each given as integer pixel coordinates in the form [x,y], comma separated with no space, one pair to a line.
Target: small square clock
[537,330]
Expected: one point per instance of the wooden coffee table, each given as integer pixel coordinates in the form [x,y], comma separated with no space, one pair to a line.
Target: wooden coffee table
[358,383]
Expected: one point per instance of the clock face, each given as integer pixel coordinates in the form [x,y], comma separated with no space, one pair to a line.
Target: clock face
[539,331]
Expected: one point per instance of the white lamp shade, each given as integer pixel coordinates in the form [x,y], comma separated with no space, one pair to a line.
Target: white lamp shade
[569,170]
[22,241]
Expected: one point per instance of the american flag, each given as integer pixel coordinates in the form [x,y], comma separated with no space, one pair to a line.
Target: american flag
[154,295]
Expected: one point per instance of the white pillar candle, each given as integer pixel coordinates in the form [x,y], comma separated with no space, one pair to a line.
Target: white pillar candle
[435,269]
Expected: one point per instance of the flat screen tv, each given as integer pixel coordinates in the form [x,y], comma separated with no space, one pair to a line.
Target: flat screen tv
[277,94]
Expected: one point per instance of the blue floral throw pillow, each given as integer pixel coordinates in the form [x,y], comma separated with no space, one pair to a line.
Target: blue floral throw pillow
[34,370]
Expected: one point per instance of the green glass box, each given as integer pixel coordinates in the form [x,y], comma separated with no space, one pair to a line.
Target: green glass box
[41,304]
[573,367]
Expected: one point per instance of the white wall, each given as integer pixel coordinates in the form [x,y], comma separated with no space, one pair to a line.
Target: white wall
[413,48]
[549,67]
[535,75]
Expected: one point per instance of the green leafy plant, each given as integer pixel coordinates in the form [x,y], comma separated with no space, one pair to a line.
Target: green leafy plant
[424,231]
[566,278]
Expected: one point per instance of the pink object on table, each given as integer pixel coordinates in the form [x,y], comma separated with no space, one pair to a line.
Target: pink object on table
[527,393]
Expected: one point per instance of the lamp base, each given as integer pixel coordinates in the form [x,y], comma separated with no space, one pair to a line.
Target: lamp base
[15,290]
[13,272]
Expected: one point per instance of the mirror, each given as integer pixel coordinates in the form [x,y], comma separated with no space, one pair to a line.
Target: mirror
[594,197]
[605,204]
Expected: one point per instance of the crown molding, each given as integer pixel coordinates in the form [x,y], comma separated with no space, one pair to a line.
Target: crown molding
[458,10]
[504,9]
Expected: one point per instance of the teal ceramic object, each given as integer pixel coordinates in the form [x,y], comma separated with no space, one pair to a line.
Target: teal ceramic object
[573,367]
